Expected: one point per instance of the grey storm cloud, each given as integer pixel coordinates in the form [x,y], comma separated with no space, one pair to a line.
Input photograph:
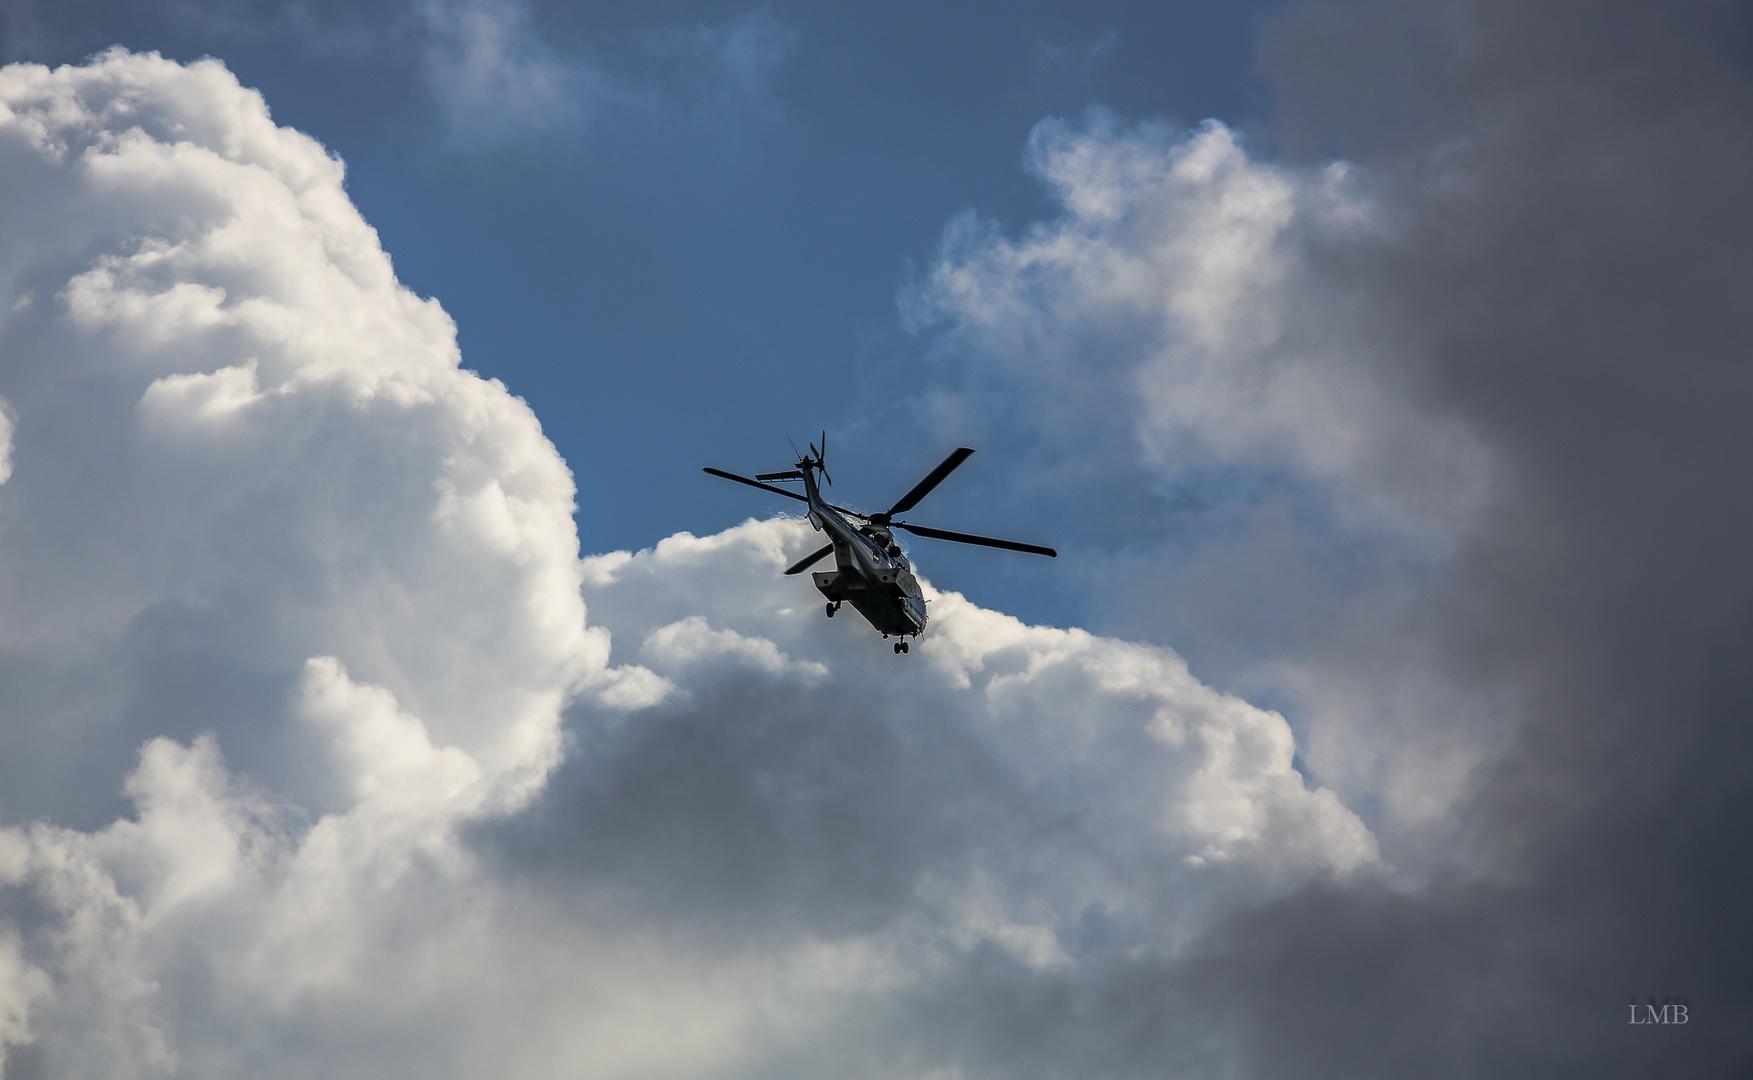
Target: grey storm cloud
[1570,278]
[1462,376]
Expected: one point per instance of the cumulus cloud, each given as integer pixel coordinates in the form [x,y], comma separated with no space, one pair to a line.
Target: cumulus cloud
[272,437]
[254,495]
[1182,294]
[1194,365]
[314,765]
[1062,713]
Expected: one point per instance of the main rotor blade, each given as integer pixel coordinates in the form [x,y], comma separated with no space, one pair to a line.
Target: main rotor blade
[809,560]
[923,488]
[779,491]
[983,541]
[754,483]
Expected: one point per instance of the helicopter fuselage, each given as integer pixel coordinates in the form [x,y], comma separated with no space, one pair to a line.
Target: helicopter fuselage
[870,571]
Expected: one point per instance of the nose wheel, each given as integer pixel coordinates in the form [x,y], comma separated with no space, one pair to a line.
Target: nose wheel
[900,647]
[833,606]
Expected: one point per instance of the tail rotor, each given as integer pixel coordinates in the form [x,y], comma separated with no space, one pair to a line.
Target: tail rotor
[818,459]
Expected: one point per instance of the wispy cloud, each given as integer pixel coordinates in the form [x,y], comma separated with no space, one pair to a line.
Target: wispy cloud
[731,66]
[498,80]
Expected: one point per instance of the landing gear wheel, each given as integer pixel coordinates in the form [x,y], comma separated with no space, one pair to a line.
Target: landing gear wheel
[900,647]
[832,608]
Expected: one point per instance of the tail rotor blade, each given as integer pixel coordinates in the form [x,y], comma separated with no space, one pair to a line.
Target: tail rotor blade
[809,560]
[983,541]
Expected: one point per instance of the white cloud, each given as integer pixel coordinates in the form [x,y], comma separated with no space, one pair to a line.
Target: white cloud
[1182,293]
[5,440]
[309,593]
[1109,727]
[1208,329]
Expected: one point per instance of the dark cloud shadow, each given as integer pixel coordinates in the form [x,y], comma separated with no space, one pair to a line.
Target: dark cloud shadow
[1571,275]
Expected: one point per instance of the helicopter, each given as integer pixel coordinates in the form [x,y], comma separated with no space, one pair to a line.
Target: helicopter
[871,572]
